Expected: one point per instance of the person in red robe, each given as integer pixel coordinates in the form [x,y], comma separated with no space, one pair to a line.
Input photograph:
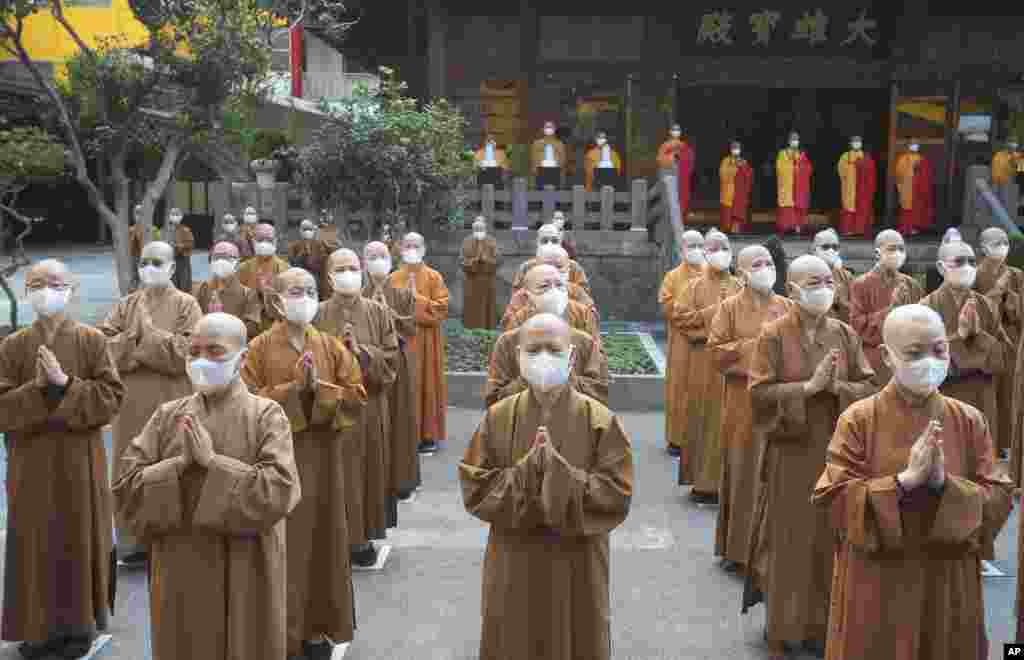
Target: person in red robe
[858,182]
[683,160]
[735,176]
[793,175]
[914,184]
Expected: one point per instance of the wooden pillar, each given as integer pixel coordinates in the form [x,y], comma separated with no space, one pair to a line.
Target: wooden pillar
[437,47]
[529,28]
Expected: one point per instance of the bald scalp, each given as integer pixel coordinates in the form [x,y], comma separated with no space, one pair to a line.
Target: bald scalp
[480,222]
[548,229]
[47,267]
[825,236]
[341,254]
[374,248]
[954,249]
[413,236]
[715,236]
[222,326]
[225,249]
[887,237]
[158,249]
[993,234]
[748,254]
[264,231]
[901,318]
[548,324]
[807,265]
[294,276]
[537,273]
[555,256]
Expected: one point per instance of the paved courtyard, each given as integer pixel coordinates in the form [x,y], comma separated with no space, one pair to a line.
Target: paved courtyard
[669,598]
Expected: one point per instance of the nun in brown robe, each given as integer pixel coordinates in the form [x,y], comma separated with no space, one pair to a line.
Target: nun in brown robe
[310,253]
[148,334]
[551,498]
[210,496]
[549,234]
[323,415]
[479,260]
[907,582]
[806,369]
[348,313]
[184,242]
[731,341]
[700,462]
[224,293]
[259,271]
[589,368]
[403,428]
[57,570]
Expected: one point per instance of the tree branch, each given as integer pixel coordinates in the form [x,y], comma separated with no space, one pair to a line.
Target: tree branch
[19,258]
[57,11]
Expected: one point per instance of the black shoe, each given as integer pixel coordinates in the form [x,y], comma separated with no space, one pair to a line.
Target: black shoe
[321,650]
[673,451]
[428,447]
[365,558]
[77,647]
[404,496]
[704,498]
[729,566]
[135,559]
[815,647]
[36,650]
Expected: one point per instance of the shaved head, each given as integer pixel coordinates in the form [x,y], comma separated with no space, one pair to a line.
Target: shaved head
[693,238]
[955,249]
[295,277]
[158,250]
[307,225]
[907,321]
[479,224]
[826,237]
[375,249]
[888,237]
[412,240]
[224,249]
[808,267]
[343,259]
[47,273]
[544,332]
[716,238]
[549,229]
[540,275]
[993,235]
[264,232]
[220,329]
[752,255]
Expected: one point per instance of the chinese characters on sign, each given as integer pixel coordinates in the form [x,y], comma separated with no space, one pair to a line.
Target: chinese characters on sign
[716,28]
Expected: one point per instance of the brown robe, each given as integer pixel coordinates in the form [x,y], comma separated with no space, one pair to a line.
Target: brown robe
[372,494]
[521,298]
[184,242]
[576,315]
[1004,286]
[259,272]
[239,301]
[320,595]
[841,304]
[870,303]
[576,274]
[403,427]
[135,245]
[792,544]
[245,235]
[670,294]
[907,582]
[243,246]
[59,533]
[429,347]
[479,260]
[151,364]
[731,342]
[216,535]
[312,255]
[974,363]
[546,567]
[701,453]
[589,374]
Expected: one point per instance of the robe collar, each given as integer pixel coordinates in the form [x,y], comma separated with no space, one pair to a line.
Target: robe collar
[209,403]
[932,404]
[805,322]
[886,275]
[950,293]
[990,270]
[49,329]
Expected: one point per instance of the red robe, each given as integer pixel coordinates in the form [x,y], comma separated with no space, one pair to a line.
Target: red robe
[734,218]
[795,217]
[858,222]
[685,159]
[921,216]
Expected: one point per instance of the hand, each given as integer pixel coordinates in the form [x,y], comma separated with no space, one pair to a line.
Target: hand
[310,371]
[968,321]
[186,444]
[201,445]
[899,295]
[412,281]
[824,374]
[348,337]
[922,457]
[54,372]
[144,317]
[41,379]
[263,281]
[542,438]
[937,477]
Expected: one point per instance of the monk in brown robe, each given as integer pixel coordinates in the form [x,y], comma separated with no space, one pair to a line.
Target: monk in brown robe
[403,427]
[250,220]
[58,388]
[229,232]
[318,383]
[311,253]
[208,484]
[567,241]
[875,293]
[547,293]
[366,329]
[259,272]
[135,244]
[551,471]
[184,242]
[589,367]
[912,487]
[548,237]
[224,293]
[826,246]
[428,345]
[479,259]
[806,369]
[149,334]
[979,347]
[672,288]
[731,342]
[559,258]
[1004,286]
[700,456]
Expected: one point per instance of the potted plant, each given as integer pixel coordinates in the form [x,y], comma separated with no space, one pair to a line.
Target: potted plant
[264,164]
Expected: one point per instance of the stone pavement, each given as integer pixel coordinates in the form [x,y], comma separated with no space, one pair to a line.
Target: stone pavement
[670,601]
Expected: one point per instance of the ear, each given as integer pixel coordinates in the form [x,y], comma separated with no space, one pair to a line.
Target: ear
[941,267]
[886,357]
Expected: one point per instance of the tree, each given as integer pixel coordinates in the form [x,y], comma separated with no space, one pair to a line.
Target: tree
[378,154]
[202,57]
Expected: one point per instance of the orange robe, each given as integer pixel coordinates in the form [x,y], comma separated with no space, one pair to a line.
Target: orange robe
[735,179]
[791,557]
[320,595]
[590,162]
[857,184]
[577,275]
[521,298]
[429,347]
[732,339]
[499,157]
[700,457]
[907,582]
[871,297]
[239,301]
[914,185]
[672,287]
[259,272]
[59,542]
[1005,166]
[793,172]
[479,266]
[312,254]
[550,510]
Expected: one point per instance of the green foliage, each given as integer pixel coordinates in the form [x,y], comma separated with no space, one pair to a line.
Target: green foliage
[519,159]
[265,142]
[30,152]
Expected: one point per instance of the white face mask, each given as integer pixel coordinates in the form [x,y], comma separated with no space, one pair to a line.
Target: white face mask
[893,260]
[174,219]
[565,278]
[545,370]
[208,376]
[720,260]
[547,250]
[552,301]
[794,144]
[695,256]
[479,235]
[221,268]
[817,301]
[601,142]
[301,310]
[264,249]
[829,256]
[379,266]
[676,134]
[856,145]
[997,251]
[155,277]
[250,218]
[914,148]
[230,228]
[735,151]
[1013,146]
[47,302]
[549,132]
[309,234]
[962,277]
[762,280]
[412,256]
[349,281]
[922,376]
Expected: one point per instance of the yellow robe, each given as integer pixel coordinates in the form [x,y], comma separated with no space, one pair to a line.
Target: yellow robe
[550,510]
[671,293]
[1005,166]
[905,178]
[847,169]
[590,162]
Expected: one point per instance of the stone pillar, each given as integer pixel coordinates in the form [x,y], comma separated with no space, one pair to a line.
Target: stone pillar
[437,47]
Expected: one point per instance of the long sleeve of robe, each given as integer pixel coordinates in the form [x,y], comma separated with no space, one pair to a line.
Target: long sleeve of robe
[908,574]
[479,261]
[213,530]
[672,287]
[548,509]
[58,568]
